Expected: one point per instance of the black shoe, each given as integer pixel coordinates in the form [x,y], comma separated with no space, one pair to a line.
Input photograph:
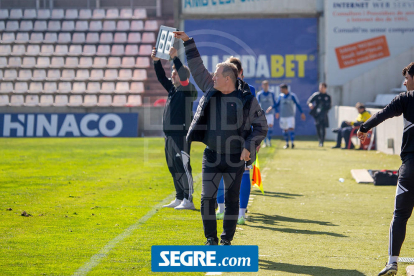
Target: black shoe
[286,146]
[351,148]
[225,242]
[336,147]
[211,241]
[335,130]
[293,146]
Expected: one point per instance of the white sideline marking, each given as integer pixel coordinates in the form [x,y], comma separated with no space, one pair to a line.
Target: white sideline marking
[214,273]
[97,258]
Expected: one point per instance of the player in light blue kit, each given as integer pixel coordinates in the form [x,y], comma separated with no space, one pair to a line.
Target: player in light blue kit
[267,99]
[286,104]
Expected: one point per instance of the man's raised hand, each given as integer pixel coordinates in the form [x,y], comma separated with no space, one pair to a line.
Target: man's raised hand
[181,35]
[173,52]
[153,53]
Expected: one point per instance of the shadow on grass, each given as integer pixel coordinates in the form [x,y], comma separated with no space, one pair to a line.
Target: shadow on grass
[298,231]
[274,194]
[306,270]
[266,219]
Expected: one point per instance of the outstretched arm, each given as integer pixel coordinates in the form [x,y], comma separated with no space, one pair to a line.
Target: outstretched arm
[202,77]
[179,67]
[159,70]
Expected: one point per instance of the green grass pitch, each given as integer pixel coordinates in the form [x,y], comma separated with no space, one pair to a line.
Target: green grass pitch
[93,208]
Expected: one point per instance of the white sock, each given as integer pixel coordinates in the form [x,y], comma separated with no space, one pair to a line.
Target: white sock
[221,207]
[392,259]
[242,212]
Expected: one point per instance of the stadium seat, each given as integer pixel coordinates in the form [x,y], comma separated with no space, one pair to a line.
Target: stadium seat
[114,62]
[111,74]
[137,25]
[35,87]
[4,14]
[125,75]
[29,14]
[131,50]
[39,75]
[50,87]
[151,25]
[67,75]
[68,26]
[148,38]
[79,87]
[64,87]
[90,100]
[24,75]
[89,50]
[99,62]
[93,87]
[50,38]
[34,50]
[18,50]
[43,14]
[96,75]
[16,100]
[53,75]
[98,14]
[3,62]
[75,100]
[61,50]
[81,26]
[95,26]
[103,50]
[140,14]
[71,14]
[58,14]
[12,26]
[53,26]
[122,87]
[1,74]
[64,38]
[42,62]
[6,87]
[16,14]
[61,100]
[134,100]
[85,14]
[104,100]
[120,38]
[23,38]
[5,50]
[142,62]
[128,62]
[7,38]
[119,100]
[106,38]
[134,38]
[82,74]
[117,50]
[144,50]
[85,62]
[137,87]
[20,87]
[40,26]
[75,50]
[10,75]
[26,26]
[139,75]
[78,38]
[31,100]
[57,62]
[126,14]
[4,100]
[28,62]
[108,87]
[112,14]
[71,62]
[123,25]
[109,26]
[92,38]
[2,27]
[46,100]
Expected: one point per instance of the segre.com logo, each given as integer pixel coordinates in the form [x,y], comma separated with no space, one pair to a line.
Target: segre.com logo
[239,258]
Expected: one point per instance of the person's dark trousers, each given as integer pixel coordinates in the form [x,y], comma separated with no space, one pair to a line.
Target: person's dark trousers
[231,168]
[320,130]
[177,154]
[404,203]
[344,132]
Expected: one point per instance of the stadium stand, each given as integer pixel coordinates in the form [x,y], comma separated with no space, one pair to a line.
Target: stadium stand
[78,57]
